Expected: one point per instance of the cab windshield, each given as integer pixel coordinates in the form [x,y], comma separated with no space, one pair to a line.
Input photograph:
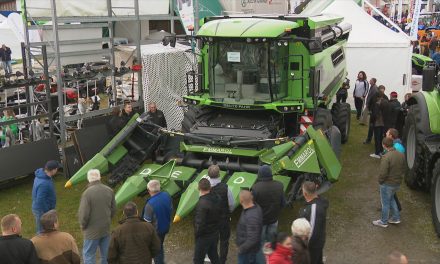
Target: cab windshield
[247,73]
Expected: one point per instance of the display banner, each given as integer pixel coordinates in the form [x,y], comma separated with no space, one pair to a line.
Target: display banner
[185,8]
[399,11]
[415,20]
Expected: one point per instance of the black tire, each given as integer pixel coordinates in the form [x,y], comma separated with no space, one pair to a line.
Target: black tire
[322,119]
[341,118]
[435,196]
[414,137]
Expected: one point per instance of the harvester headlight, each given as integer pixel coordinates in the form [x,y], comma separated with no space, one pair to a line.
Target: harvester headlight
[256,40]
[264,40]
[292,108]
[286,108]
[248,40]
[279,44]
[194,102]
[285,43]
[185,100]
[298,107]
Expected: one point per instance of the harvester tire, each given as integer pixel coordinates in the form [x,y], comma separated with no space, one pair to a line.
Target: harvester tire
[435,194]
[322,119]
[414,137]
[341,113]
[194,114]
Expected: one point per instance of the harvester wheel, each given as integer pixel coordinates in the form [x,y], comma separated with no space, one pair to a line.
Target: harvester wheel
[435,194]
[414,136]
[194,114]
[322,119]
[341,118]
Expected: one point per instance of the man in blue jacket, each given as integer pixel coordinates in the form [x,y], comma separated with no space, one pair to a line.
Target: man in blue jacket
[158,211]
[43,191]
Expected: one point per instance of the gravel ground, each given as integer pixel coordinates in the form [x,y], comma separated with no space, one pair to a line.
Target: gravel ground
[354,203]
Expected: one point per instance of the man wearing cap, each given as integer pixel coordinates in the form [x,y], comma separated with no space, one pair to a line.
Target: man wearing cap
[43,191]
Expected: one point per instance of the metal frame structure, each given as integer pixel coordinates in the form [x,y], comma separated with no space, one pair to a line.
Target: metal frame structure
[87,22]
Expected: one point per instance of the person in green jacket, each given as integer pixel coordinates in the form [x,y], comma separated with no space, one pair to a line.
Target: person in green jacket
[9,132]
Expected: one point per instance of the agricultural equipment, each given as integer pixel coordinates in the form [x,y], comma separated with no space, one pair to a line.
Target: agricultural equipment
[418,62]
[422,139]
[262,94]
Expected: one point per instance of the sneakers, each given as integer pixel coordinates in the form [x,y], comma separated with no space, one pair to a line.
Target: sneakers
[375,156]
[379,223]
[394,222]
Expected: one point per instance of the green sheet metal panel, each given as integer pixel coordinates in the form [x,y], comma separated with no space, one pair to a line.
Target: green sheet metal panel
[239,181]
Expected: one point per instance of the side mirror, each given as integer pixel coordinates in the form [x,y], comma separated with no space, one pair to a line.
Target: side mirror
[429,79]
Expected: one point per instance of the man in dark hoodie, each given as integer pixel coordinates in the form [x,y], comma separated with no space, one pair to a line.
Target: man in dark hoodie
[43,191]
[315,212]
[206,224]
[268,194]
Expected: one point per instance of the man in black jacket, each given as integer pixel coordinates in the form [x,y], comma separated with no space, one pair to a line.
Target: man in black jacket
[5,58]
[315,212]
[392,111]
[157,116]
[249,226]
[13,248]
[206,224]
[268,194]
[226,207]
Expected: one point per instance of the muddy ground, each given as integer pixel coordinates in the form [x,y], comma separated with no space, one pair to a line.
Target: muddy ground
[354,203]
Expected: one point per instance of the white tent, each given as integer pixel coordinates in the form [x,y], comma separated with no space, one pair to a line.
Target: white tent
[12,33]
[375,49]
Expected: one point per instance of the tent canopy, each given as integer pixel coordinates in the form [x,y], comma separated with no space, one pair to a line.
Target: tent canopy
[366,29]
[375,49]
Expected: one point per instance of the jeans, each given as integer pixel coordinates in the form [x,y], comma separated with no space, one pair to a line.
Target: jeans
[91,245]
[160,258]
[268,233]
[225,233]
[7,66]
[378,136]
[206,245]
[389,202]
[37,215]
[249,258]
[358,103]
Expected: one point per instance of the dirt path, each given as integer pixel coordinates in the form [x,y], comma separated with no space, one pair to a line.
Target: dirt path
[354,203]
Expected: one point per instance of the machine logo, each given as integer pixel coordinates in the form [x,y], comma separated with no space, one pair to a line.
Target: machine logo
[301,159]
[217,150]
[244,3]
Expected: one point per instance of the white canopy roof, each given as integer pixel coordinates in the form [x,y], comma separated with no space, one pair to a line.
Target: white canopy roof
[366,31]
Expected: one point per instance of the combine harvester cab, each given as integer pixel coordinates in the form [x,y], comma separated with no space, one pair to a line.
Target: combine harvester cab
[265,84]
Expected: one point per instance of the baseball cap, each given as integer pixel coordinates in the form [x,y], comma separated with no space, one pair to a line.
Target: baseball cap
[393,94]
[52,164]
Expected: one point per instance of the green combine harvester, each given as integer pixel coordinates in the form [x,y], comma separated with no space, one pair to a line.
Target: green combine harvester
[266,85]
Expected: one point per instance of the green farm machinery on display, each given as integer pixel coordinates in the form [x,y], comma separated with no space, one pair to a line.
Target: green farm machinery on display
[262,94]
[422,139]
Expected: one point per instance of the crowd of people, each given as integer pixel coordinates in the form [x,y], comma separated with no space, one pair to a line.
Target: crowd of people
[139,237]
[385,118]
